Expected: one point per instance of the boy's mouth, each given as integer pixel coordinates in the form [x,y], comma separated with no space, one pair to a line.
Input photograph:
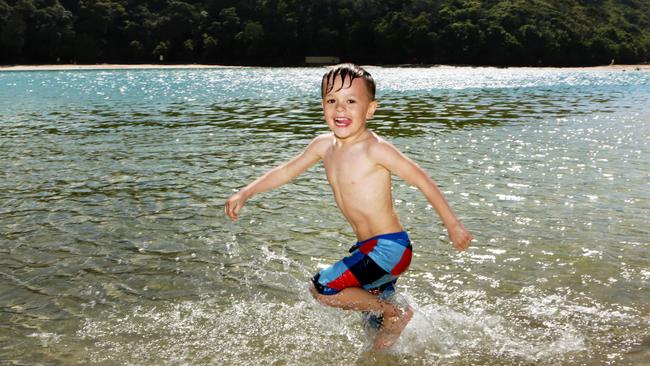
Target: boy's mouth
[342,121]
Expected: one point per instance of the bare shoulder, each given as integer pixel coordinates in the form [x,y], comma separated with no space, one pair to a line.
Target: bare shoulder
[380,149]
[320,143]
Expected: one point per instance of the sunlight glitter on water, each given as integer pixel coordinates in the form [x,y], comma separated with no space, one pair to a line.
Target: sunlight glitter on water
[114,248]
[268,331]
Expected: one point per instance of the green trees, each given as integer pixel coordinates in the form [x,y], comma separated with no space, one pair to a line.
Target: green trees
[12,31]
[283,32]
[31,32]
[98,23]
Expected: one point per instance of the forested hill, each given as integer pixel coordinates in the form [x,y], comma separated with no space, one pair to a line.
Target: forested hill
[283,32]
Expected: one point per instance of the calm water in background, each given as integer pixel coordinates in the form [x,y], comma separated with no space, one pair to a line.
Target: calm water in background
[114,249]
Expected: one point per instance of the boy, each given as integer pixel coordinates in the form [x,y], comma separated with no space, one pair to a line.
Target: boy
[358,164]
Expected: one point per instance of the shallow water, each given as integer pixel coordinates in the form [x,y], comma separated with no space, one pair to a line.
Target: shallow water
[114,249]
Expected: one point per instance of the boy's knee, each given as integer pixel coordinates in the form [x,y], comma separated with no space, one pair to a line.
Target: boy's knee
[314,293]
[322,299]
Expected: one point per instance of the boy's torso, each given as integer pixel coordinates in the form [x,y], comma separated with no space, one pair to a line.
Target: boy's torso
[361,186]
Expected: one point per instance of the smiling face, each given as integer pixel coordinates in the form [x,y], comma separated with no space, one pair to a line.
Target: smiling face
[347,107]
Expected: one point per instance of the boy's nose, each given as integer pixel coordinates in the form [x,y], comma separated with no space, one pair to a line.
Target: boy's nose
[340,106]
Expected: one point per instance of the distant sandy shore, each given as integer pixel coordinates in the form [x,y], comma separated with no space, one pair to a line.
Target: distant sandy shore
[199,66]
[644,67]
[106,67]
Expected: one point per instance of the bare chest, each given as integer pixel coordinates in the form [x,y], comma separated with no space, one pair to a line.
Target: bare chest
[347,169]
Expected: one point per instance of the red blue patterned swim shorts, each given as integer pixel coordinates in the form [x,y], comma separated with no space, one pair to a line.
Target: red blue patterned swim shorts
[374,264]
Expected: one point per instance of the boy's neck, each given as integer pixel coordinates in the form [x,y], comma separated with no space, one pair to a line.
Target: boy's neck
[350,140]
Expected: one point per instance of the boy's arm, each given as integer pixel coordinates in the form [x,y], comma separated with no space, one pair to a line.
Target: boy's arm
[276,177]
[399,164]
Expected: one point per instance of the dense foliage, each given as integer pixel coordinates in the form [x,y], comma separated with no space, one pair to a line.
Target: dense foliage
[283,32]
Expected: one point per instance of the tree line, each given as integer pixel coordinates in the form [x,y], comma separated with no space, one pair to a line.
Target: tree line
[283,32]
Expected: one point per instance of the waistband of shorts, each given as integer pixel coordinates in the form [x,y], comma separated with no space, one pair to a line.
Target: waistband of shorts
[400,237]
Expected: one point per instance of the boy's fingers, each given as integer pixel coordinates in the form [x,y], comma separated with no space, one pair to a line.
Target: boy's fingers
[228,209]
[463,243]
[233,212]
[234,209]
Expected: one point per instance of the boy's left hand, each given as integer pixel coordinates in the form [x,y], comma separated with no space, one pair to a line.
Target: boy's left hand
[234,204]
[459,236]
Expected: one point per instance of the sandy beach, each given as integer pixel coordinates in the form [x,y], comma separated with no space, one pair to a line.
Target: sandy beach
[106,67]
[56,67]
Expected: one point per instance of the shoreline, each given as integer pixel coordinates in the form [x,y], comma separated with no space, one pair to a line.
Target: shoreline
[74,67]
[70,67]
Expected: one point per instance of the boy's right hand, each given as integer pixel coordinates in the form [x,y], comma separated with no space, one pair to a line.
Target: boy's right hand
[234,204]
[460,237]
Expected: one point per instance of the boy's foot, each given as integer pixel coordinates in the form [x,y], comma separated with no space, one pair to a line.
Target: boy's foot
[391,329]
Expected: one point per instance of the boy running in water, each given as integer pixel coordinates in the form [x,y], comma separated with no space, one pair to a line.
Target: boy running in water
[359,165]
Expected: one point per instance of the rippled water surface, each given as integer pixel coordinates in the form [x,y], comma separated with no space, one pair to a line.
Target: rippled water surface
[114,249]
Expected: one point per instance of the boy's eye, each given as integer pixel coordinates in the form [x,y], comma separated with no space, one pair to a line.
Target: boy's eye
[329,101]
[351,101]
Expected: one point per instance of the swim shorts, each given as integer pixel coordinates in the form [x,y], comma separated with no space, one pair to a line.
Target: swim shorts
[373,265]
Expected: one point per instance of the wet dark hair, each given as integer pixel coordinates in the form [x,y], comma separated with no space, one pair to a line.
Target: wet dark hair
[350,72]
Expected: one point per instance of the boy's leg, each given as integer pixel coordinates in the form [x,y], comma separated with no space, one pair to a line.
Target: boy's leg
[356,298]
[391,329]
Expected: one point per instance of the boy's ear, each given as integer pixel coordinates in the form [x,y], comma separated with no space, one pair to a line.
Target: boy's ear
[372,107]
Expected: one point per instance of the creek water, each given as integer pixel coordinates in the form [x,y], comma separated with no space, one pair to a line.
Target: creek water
[114,249]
